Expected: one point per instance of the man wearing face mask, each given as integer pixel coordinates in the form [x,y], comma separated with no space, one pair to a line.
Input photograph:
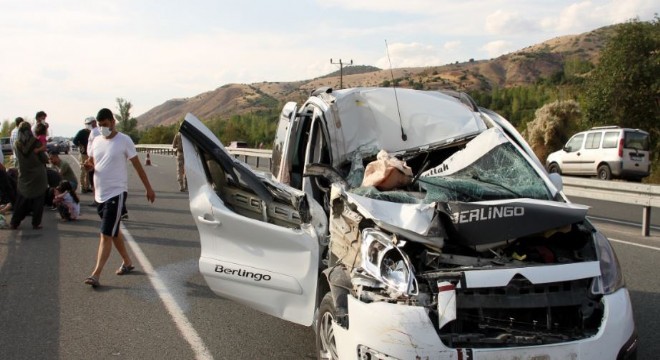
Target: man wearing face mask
[107,156]
[80,140]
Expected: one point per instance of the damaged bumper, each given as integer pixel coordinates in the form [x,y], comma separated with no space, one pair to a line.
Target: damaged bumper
[392,331]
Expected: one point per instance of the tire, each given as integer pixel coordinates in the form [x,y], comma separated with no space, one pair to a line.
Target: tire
[554,168]
[326,347]
[604,172]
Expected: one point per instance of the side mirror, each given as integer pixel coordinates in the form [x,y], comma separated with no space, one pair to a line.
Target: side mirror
[567,148]
[555,179]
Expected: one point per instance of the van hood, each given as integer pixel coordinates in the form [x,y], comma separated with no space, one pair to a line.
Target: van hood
[477,224]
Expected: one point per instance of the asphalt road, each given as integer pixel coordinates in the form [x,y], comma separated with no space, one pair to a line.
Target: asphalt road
[164,309]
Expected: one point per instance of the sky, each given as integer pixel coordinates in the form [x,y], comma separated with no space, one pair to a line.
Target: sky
[71,58]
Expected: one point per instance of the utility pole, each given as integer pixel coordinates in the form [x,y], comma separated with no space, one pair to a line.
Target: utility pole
[341,71]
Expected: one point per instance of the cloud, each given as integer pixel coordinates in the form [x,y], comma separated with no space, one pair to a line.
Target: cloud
[452,45]
[410,55]
[588,15]
[497,48]
[502,22]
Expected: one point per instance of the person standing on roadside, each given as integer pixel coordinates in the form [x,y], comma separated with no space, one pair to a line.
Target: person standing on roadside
[80,141]
[107,156]
[41,119]
[12,138]
[94,132]
[32,180]
[177,145]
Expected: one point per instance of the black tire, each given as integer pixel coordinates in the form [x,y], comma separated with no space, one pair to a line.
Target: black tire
[326,347]
[554,168]
[604,172]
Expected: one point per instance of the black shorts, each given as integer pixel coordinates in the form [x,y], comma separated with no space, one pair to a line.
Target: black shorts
[110,213]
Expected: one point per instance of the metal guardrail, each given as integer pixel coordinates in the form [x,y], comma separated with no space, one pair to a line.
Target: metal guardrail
[244,153]
[645,195]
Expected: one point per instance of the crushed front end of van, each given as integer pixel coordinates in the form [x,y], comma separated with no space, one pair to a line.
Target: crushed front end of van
[408,224]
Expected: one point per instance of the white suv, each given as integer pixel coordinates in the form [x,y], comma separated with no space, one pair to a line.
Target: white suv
[607,152]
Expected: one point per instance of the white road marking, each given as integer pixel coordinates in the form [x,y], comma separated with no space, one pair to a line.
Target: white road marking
[182,323]
[635,244]
[180,320]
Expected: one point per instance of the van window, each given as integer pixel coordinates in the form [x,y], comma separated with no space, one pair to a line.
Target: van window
[575,143]
[611,140]
[636,140]
[593,140]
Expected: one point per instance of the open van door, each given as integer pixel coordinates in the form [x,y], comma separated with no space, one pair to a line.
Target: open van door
[259,238]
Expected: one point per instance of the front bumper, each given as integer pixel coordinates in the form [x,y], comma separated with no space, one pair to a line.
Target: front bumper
[406,332]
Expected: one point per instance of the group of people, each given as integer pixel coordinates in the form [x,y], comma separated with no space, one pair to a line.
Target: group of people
[103,155]
[31,184]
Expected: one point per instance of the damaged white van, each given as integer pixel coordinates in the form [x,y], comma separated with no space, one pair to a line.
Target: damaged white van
[407,224]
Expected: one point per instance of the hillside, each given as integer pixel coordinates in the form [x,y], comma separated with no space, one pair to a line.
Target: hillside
[522,67]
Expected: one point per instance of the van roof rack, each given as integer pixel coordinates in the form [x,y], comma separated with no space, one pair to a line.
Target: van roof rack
[606,127]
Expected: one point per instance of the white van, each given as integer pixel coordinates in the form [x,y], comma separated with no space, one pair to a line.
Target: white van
[607,152]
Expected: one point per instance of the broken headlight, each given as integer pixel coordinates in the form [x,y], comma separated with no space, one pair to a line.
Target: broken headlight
[383,260]
[611,277]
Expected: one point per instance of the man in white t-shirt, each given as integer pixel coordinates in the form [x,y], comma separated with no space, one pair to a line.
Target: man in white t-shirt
[13,136]
[107,156]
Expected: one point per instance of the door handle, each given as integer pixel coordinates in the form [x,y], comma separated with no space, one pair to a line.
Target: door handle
[578,154]
[206,221]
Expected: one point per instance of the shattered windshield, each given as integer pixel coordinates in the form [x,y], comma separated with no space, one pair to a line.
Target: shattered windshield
[489,168]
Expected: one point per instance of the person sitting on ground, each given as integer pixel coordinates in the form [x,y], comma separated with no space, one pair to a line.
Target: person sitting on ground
[67,202]
[63,168]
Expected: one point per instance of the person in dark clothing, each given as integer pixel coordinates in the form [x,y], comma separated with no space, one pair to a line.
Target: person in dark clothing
[32,179]
[80,140]
[7,192]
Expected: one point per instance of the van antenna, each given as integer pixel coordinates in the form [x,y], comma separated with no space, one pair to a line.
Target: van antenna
[404,137]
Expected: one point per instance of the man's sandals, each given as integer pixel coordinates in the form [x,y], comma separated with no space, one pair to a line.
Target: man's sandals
[93,281]
[123,269]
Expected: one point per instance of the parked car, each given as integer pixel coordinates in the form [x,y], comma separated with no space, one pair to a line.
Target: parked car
[407,225]
[6,146]
[58,143]
[606,152]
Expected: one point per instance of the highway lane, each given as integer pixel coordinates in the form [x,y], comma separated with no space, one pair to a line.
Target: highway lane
[46,312]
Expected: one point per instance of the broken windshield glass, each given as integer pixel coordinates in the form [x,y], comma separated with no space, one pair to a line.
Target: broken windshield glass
[489,168]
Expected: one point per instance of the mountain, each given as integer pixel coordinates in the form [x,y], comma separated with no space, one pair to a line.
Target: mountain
[522,67]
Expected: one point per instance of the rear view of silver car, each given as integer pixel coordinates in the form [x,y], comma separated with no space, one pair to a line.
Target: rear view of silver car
[407,224]
[606,152]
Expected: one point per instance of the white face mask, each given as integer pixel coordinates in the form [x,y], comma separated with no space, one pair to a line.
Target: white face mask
[105,131]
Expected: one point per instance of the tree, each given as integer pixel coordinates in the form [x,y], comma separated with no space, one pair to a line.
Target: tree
[552,126]
[127,124]
[624,88]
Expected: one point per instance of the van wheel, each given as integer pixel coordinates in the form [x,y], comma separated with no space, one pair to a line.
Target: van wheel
[325,336]
[554,168]
[604,172]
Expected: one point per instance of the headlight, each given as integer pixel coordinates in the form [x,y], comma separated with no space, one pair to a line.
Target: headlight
[386,262]
[611,277]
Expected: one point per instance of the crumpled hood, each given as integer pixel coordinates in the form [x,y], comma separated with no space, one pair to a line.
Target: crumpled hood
[476,223]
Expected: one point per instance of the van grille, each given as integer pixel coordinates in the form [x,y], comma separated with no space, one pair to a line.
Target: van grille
[522,314]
